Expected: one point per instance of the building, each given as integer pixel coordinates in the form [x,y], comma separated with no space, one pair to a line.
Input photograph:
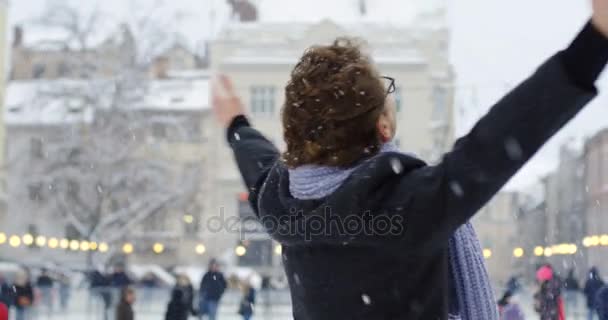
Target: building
[496,227]
[90,172]
[531,230]
[259,58]
[565,208]
[52,58]
[3,50]
[596,196]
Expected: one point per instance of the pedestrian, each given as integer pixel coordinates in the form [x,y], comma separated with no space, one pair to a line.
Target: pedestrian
[44,284]
[101,291]
[547,300]
[120,279]
[247,301]
[7,292]
[24,296]
[213,285]
[182,298]
[508,309]
[571,292]
[64,291]
[3,311]
[149,285]
[513,285]
[592,286]
[342,172]
[602,303]
[124,310]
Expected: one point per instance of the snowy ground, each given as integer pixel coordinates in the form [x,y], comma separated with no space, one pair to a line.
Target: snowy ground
[154,310]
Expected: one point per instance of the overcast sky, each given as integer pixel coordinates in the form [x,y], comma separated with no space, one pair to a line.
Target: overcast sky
[495,44]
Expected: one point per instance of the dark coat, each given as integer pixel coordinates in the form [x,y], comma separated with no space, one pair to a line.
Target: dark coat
[44,281]
[7,294]
[213,286]
[24,296]
[602,303]
[547,300]
[571,284]
[400,272]
[247,302]
[592,286]
[180,305]
[120,280]
[124,311]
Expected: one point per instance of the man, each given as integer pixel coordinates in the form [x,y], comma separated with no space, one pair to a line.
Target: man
[212,288]
[124,309]
[593,284]
[371,233]
[45,283]
[6,296]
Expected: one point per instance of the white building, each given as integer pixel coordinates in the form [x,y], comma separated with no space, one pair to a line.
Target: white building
[161,131]
[258,57]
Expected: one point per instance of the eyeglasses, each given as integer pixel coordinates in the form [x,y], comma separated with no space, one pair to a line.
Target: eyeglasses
[389,84]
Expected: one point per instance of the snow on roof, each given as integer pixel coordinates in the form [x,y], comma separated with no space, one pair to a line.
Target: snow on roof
[177,94]
[33,102]
[48,102]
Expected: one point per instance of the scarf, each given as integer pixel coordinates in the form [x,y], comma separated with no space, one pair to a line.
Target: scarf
[471,296]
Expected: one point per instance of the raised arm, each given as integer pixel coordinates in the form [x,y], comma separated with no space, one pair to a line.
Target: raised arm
[507,136]
[253,152]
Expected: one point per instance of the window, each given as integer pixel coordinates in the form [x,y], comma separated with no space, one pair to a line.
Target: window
[36,148]
[262,100]
[62,69]
[159,130]
[35,192]
[398,99]
[38,70]
[439,103]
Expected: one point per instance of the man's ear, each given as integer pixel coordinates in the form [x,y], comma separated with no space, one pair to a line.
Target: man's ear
[383,127]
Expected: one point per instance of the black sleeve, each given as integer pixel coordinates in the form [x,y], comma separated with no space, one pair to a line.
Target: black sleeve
[255,155]
[586,57]
[480,164]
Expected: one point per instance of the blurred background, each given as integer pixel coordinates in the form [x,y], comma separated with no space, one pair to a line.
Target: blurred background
[112,164]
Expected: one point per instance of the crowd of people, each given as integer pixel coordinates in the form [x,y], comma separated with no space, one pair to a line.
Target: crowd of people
[115,292]
[556,298]
[23,292]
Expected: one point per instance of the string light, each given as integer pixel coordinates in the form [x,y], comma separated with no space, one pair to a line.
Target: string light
[278,249]
[127,248]
[240,251]
[64,243]
[28,239]
[158,248]
[41,241]
[74,245]
[487,253]
[2,238]
[518,252]
[14,241]
[53,243]
[200,249]
[103,247]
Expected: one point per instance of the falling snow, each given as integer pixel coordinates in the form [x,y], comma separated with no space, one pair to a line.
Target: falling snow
[396,165]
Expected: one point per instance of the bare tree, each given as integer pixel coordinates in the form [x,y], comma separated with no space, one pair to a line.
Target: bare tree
[97,172]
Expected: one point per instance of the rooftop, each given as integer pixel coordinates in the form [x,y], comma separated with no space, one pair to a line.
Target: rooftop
[53,102]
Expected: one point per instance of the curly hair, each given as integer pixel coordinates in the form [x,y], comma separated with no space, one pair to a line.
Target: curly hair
[333,101]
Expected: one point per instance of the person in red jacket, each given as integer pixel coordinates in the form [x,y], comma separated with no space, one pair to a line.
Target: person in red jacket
[3,312]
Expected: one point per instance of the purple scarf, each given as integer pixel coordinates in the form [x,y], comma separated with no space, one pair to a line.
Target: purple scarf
[471,296]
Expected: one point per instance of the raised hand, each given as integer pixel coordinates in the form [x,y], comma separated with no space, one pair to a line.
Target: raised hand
[226,104]
[600,16]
